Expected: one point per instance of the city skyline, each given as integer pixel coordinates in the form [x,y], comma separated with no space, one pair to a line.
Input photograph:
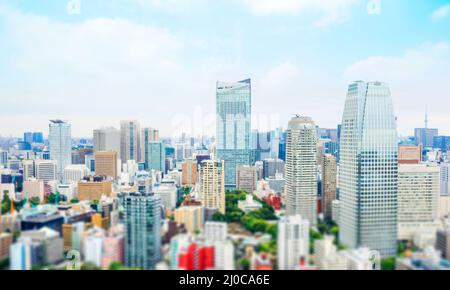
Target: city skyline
[55,62]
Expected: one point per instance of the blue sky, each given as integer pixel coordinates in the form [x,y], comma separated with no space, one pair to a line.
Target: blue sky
[158,60]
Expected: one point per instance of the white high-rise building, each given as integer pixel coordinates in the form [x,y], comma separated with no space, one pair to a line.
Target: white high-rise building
[168,194]
[293,242]
[130,141]
[418,196]
[46,170]
[224,255]
[368,169]
[217,233]
[74,173]
[107,139]
[60,142]
[93,246]
[301,169]
[212,184]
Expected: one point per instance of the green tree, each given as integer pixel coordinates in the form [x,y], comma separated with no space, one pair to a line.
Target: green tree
[35,201]
[89,267]
[388,264]
[245,264]
[115,266]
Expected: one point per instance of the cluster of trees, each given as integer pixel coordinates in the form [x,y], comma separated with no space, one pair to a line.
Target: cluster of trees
[53,198]
[6,204]
[257,221]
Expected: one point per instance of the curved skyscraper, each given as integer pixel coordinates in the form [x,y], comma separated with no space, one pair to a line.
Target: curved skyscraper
[233,105]
[301,169]
[368,172]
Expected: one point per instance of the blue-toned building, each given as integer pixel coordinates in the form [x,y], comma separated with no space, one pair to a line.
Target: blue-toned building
[155,156]
[442,143]
[38,137]
[233,132]
[142,222]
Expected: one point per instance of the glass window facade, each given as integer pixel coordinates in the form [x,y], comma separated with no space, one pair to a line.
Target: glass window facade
[368,172]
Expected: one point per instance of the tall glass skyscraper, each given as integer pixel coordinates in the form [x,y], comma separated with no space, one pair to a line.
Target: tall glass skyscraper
[368,173]
[155,158]
[142,229]
[233,105]
[60,143]
[130,141]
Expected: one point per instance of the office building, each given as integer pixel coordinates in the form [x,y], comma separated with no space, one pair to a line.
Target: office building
[293,242]
[38,138]
[246,178]
[212,184]
[301,169]
[107,163]
[442,143]
[46,170]
[233,105]
[60,143]
[168,194]
[425,136]
[418,196]
[74,173]
[191,216]
[28,169]
[94,189]
[271,167]
[409,154]
[148,135]
[107,139]
[189,172]
[368,170]
[142,230]
[156,156]
[329,184]
[130,141]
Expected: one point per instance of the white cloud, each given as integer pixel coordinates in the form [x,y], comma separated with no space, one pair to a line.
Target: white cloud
[171,6]
[331,11]
[418,78]
[441,13]
[110,68]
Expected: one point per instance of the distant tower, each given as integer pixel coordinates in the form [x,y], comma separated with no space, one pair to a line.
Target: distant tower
[426,117]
